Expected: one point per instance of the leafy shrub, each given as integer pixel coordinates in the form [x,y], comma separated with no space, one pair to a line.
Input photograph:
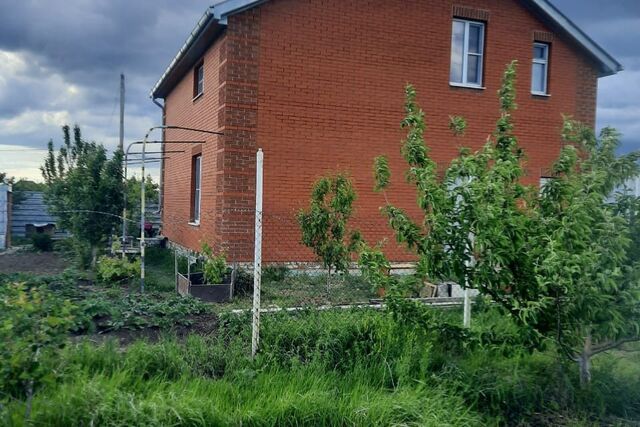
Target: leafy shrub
[244,283]
[34,323]
[275,273]
[42,242]
[113,270]
[215,266]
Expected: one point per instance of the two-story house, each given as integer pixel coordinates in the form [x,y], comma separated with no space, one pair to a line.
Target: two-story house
[318,85]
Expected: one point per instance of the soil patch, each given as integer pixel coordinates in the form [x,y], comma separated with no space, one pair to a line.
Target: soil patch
[205,325]
[49,263]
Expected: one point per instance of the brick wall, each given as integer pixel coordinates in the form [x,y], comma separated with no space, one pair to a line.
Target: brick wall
[318,85]
[204,112]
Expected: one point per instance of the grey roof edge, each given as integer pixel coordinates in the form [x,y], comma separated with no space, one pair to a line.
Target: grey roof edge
[609,64]
[197,31]
[222,10]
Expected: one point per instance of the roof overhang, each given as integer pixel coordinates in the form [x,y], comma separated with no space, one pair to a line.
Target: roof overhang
[607,64]
[215,17]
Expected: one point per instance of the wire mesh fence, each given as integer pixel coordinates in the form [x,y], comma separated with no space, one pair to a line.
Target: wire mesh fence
[292,275]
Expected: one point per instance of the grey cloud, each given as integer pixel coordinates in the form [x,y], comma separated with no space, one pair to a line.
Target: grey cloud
[87,44]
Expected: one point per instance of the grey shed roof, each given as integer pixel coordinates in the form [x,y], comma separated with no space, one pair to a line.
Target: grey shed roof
[215,17]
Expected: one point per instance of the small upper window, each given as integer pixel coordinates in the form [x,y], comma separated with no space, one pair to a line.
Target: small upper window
[540,70]
[467,50]
[198,80]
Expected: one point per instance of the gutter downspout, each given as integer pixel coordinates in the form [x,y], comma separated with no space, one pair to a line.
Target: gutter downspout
[161,183]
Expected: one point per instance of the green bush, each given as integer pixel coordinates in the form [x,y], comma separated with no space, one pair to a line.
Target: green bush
[275,273]
[215,266]
[42,242]
[34,323]
[115,270]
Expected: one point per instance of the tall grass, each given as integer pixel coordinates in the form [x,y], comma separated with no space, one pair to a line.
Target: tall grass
[356,367]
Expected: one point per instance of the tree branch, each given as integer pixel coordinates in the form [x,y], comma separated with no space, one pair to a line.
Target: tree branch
[612,344]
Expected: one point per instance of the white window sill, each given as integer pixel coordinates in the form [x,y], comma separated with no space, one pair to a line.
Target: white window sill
[198,96]
[544,95]
[467,86]
[195,224]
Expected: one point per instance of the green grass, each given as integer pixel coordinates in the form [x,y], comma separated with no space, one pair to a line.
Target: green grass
[353,367]
[343,367]
[160,270]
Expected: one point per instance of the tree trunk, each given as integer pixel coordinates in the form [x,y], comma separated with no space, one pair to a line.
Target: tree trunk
[328,281]
[94,257]
[29,403]
[584,362]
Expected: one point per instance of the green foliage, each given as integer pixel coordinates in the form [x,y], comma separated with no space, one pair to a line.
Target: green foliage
[324,224]
[33,325]
[116,270]
[457,125]
[151,192]
[42,242]
[215,266]
[355,367]
[381,173]
[99,309]
[22,185]
[275,273]
[160,269]
[84,188]
[588,270]
[27,185]
[558,261]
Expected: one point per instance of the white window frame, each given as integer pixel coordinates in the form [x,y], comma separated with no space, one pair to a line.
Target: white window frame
[466,53]
[199,85]
[544,62]
[197,190]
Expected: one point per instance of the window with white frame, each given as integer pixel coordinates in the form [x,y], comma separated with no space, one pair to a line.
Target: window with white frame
[467,50]
[198,80]
[540,69]
[196,191]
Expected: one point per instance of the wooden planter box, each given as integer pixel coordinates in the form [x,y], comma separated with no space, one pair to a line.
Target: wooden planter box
[193,285]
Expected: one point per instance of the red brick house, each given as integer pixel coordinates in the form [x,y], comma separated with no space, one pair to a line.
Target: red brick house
[318,85]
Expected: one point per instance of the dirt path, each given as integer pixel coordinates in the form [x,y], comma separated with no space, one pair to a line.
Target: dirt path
[32,262]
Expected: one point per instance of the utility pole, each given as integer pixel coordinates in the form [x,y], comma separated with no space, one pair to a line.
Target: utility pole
[121,145]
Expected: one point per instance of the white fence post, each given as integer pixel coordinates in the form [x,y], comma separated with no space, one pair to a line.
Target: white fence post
[257,257]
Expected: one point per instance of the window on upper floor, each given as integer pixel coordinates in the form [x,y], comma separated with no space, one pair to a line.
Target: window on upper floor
[198,80]
[196,190]
[467,51]
[540,69]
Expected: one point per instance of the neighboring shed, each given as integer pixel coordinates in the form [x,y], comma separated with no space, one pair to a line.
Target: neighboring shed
[31,215]
[5,216]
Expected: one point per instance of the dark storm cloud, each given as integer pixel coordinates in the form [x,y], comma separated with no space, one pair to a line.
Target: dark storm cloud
[93,38]
[60,62]
[614,25]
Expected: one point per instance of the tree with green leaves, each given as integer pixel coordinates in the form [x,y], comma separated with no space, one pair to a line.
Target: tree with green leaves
[84,189]
[588,267]
[133,192]
[559,261]
[474,229]
[324,224]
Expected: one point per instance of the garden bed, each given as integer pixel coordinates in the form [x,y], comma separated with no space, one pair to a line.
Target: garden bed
[193,284]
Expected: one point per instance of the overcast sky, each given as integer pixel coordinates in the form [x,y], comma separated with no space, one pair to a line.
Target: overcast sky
[60,62]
